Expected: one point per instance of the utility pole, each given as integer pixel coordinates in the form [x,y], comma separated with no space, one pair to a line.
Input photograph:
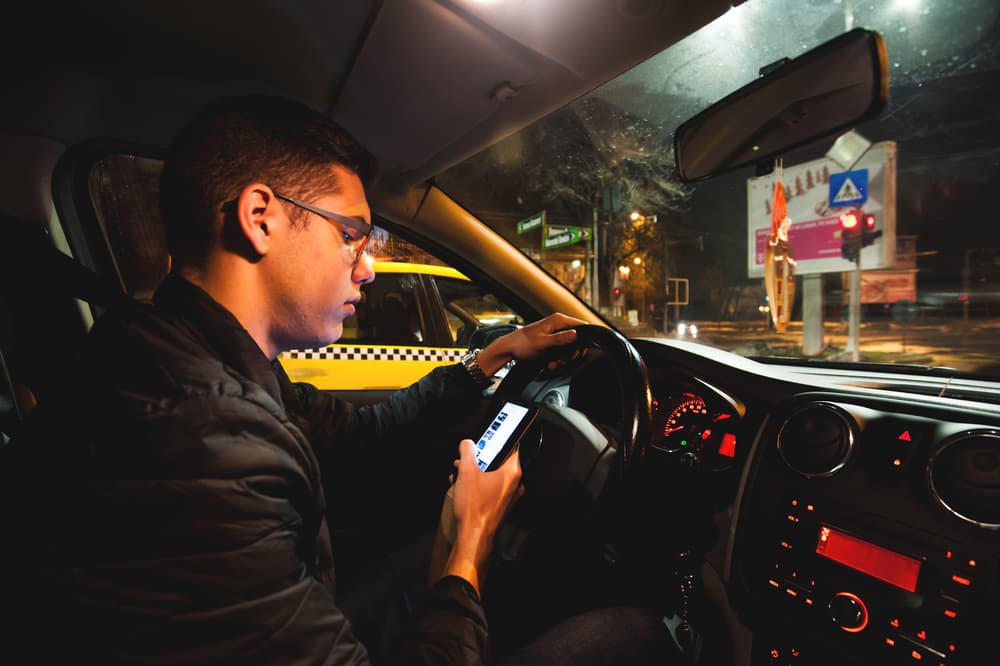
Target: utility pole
[854,311]
[857,232]
[594,264]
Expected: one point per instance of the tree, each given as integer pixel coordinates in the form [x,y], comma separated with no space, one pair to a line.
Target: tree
[562,163]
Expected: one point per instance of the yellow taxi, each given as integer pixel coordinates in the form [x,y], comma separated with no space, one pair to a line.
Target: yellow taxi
[411,319]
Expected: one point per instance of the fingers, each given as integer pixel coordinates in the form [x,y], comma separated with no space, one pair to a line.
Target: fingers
[558,321]
[466,455]
[563,337]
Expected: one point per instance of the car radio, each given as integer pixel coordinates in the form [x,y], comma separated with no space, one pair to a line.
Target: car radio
[885,600]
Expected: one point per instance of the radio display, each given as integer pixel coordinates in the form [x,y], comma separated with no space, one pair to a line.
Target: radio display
[884,564]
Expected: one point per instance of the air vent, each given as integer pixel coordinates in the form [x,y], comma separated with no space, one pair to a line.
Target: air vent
[816,440]
[964,477]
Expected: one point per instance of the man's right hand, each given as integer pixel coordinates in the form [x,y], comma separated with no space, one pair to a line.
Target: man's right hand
[481,500]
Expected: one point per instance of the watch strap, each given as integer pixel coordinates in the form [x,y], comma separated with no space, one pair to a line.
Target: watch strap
[471,364]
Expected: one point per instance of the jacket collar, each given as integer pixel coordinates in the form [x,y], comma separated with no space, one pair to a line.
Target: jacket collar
[221,332]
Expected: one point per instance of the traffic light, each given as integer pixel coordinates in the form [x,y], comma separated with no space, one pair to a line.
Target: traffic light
[868,231]
[617,291]
[850,234]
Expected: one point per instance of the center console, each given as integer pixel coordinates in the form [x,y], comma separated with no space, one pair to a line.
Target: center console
[869,536]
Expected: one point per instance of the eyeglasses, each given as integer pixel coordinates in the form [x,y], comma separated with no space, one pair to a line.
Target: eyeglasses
[366,238]
[358,244]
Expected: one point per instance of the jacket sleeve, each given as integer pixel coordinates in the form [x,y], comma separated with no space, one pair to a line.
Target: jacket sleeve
[444,395]
[449,629]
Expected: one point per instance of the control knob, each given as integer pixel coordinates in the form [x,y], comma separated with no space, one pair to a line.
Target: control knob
[848,612]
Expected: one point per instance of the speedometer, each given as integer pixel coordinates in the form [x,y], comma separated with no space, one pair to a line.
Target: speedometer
[685,425]
[704,434]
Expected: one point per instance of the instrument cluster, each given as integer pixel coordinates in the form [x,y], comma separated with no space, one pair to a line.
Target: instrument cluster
[697,425]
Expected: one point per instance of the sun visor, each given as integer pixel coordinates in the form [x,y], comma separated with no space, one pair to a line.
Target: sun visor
[418,51]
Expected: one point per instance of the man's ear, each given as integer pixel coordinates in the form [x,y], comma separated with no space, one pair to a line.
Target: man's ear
[258,210]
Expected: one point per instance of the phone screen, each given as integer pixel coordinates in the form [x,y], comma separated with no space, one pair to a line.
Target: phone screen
[503,433]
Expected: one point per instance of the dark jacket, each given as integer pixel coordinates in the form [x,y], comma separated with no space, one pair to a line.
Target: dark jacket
[174,502]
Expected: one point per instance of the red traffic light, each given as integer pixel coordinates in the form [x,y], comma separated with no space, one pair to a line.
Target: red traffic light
[617,291]
[868,232]
[850,234]
[850,220]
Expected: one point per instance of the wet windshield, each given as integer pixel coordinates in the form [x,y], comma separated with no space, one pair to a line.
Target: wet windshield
[591,193]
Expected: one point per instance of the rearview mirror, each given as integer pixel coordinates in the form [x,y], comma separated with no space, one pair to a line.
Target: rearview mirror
[821,93]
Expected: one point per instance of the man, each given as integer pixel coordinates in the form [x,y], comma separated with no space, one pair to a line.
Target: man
[172,499]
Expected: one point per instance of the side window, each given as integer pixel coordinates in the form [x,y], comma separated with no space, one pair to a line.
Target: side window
[125,191]
[468,306]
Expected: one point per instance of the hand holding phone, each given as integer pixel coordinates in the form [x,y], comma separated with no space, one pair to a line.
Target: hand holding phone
[500,438]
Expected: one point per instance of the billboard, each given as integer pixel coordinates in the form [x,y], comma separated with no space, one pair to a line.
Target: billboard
[814,210]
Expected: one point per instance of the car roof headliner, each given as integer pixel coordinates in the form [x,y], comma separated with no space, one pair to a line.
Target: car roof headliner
[423,83]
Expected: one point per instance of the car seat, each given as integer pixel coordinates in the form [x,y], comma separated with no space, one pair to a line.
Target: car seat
[42,324]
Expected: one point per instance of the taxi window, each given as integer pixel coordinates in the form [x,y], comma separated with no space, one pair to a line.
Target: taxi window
[388,313]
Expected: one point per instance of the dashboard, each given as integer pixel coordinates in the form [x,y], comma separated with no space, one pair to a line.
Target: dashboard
[855,516]
[862,523]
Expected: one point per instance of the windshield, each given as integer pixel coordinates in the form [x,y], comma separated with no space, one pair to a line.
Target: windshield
[591,193]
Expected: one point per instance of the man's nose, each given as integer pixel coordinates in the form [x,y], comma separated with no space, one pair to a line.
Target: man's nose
[364,270]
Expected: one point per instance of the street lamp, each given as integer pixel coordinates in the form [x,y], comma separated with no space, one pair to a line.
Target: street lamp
[639,218]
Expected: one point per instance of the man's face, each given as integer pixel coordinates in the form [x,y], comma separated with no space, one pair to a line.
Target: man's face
[317,280]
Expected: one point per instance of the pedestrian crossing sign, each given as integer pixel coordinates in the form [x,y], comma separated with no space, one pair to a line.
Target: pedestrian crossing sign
[849,188]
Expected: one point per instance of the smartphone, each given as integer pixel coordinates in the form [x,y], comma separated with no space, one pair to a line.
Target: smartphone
[503,432]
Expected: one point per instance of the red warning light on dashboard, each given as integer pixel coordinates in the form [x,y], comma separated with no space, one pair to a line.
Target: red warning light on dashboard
[728,446]
[905,437]
[882,563]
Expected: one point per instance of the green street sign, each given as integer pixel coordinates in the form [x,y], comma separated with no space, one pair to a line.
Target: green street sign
[560,235]
[529,223]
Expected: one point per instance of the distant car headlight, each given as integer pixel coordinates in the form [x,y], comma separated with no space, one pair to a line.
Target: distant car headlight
[685,329]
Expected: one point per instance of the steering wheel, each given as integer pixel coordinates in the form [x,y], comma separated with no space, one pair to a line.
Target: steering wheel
[633,384]
[572,449]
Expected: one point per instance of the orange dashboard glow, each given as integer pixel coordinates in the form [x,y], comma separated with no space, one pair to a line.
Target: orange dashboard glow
[882,563]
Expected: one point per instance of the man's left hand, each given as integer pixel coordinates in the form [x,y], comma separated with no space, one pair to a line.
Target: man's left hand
[529,341]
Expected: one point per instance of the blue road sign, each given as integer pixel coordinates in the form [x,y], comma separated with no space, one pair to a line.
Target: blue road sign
[849,188]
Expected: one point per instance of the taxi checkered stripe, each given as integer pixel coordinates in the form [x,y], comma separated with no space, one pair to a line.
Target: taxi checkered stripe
[377,354]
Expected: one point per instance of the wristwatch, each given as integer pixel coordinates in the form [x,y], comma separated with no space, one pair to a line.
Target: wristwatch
[471,365]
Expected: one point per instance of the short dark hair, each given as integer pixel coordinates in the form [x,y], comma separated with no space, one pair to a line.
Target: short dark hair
[239,140]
